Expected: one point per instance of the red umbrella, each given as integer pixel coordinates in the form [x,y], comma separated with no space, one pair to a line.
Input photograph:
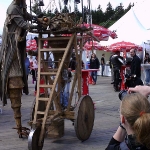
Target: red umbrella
[100,32]
[89,45]
[31,45]
[124,46]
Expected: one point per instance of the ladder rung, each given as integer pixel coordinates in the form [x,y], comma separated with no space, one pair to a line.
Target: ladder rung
[40,112]
[43,99]
[52,49]
[53,69]
[56,38]
[45,86]
[48,73]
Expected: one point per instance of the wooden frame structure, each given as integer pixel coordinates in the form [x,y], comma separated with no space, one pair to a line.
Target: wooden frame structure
[47,108]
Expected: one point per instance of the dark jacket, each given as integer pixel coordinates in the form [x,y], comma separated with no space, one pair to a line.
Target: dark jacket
[73,64]
[110,62]
[147,60]
[94,63]
[117,62]
[136,66]
[128,144]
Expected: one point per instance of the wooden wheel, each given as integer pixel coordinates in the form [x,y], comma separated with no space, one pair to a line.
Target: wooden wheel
[84,118]
[33,139]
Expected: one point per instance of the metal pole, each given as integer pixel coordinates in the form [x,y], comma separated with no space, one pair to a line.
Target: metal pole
[30,10]
[30,7]
[82,12]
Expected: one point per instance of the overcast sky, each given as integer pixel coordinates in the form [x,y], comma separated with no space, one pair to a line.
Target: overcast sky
[5,3]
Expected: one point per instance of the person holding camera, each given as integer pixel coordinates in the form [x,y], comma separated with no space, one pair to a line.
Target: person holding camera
[133,132]
[144,90]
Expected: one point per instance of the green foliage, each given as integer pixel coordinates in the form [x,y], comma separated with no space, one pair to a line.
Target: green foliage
[104,18]
[36,9]
[65,9]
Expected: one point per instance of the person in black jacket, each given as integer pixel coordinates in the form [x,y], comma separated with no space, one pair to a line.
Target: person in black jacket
[102,64]
[134,76]
[133,132]
[117,62]
[73,64]
[94,64]
[135,64]
[111,67]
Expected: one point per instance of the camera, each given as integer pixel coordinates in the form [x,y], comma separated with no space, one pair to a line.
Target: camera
[122,94]
[127,76]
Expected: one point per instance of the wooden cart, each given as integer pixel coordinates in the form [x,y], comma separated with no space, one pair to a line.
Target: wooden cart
[47,113]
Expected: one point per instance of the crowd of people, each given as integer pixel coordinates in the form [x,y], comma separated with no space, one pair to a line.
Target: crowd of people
[133,70]
[133,131]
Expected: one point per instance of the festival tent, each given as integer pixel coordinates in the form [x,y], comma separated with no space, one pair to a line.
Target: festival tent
[133,26]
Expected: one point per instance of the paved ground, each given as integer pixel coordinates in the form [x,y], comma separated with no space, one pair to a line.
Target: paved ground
[106,122]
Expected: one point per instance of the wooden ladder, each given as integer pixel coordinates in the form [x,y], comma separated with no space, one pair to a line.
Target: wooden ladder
[61,47]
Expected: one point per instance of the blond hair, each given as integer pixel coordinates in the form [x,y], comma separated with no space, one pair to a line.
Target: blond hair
[136,110]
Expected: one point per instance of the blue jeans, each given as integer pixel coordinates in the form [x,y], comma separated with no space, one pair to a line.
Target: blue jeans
[64,96]
[94,76]
[147,78]
[103,68]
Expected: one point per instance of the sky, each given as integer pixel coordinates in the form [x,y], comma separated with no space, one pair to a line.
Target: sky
[5,3]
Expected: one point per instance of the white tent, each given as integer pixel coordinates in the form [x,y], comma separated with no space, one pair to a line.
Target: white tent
[133,26]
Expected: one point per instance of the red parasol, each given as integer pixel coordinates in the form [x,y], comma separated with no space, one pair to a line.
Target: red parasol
[31,45]
[124,46]
[100,32]
[89,45]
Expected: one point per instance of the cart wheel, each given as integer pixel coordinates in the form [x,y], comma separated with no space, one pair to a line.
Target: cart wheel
[84,118]
[33,139]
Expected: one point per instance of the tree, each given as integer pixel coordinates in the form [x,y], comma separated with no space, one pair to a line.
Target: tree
[98,15]
[36,9]
[56,11]
[119,12]
[65,9]
[109,11]
[128,8]
[106,19]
